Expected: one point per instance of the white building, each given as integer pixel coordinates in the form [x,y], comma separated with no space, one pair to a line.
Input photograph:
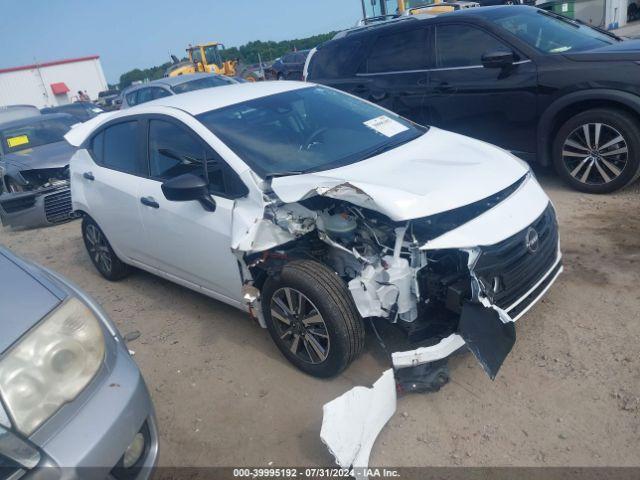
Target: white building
[52,83]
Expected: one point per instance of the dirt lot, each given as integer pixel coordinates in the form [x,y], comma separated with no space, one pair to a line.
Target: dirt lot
[569,393]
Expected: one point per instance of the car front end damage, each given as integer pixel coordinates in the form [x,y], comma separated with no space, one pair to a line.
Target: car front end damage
[452,280]
[449,280]
[35,197]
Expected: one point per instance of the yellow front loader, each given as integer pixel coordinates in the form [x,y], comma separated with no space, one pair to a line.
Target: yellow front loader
[203,58]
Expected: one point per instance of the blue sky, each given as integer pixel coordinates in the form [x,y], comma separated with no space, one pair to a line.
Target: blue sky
[143,33]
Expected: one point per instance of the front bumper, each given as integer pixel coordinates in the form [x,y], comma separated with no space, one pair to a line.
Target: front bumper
[455,342]
[38,208]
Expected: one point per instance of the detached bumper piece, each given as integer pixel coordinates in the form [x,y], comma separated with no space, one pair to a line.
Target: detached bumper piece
[39,208]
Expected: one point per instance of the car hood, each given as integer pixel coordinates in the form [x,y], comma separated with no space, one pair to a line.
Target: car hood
[52,155]
[627,50]
[438,171]
[24,299]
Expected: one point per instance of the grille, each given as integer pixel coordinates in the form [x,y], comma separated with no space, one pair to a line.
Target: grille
[509,269]
[57,206]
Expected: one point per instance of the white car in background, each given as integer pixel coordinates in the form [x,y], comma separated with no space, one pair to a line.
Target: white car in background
[316,211]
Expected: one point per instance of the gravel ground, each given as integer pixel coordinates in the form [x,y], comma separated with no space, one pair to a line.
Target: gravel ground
[568,394]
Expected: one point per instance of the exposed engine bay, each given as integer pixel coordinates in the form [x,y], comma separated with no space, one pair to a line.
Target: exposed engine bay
[427,293]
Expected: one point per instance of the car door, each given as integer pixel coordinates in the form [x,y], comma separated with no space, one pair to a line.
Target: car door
[497,105]
[185,242]
[395,72]
[108,178]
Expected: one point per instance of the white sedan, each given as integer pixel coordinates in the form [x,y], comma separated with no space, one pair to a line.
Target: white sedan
[316,212]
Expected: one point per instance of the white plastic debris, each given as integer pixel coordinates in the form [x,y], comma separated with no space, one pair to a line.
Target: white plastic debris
[352,422]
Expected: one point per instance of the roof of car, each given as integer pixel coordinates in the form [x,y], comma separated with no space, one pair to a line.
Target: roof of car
[34,119]
[171,81]
[486,12]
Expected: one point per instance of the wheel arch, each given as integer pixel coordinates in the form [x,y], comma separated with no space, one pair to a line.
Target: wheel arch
[565,107]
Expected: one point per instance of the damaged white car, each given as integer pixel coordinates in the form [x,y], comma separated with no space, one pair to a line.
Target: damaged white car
[316,212]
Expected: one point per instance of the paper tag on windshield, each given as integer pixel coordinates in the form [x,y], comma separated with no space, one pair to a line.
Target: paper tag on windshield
[17,141]
[386,126]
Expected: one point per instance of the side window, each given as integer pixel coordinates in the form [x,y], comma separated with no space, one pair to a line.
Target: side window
[132,98]
[406,50]
[145,95]
[120,150]
[160,93]
[173,151]
[463,45]
[96,148]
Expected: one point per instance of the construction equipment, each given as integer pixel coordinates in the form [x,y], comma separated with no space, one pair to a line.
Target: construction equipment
[380,10]
[203,58]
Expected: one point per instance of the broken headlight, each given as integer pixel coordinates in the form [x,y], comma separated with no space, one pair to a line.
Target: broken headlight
[51,364]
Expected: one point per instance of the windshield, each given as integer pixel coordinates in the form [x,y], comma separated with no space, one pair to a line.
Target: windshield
[38,133]
[307,130]
[201,83]
[551,34]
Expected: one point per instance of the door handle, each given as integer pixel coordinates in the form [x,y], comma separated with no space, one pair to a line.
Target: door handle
[89,176]
[149,202]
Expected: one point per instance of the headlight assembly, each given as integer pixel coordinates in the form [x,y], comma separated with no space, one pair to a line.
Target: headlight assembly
[51,364]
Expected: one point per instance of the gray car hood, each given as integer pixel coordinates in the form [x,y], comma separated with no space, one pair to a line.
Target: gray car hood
[26,296]
[52,155]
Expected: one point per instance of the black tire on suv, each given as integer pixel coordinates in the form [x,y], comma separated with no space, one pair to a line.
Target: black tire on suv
[100,252]
[598,151]
[312,318]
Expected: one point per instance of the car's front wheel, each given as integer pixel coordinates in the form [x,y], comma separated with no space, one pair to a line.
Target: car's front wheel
[312,318]
[102,255]
[598,151]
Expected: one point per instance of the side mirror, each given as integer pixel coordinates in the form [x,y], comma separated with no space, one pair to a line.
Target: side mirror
[498,59]
[189,187]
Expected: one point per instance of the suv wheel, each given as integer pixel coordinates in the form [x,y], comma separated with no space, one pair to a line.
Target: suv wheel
[598,151]
[101,253]
[312,318]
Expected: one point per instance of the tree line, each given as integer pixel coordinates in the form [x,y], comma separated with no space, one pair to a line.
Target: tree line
[247,54]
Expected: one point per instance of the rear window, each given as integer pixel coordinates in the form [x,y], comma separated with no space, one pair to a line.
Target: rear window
[207,82]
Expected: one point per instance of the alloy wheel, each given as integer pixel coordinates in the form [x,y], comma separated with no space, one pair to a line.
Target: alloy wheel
[595,153]
[300,325]
[98,248]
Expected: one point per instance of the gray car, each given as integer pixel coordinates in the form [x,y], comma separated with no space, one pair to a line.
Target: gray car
[71,396]
[145,92]
[34,170]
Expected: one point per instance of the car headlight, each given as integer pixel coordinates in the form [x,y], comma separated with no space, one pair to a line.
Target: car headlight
[51,364]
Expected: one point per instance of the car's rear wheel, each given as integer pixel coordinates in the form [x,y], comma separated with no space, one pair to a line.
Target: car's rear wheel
[102,255]
[598,151]
[312,318]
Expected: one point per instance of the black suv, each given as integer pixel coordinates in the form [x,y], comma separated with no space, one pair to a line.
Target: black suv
[548,88]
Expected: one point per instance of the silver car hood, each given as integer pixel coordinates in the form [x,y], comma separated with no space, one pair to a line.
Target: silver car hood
[24,298]
[418,179]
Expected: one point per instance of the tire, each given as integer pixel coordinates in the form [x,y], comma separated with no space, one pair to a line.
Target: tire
[606,161]
[100,252]
[329,322]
